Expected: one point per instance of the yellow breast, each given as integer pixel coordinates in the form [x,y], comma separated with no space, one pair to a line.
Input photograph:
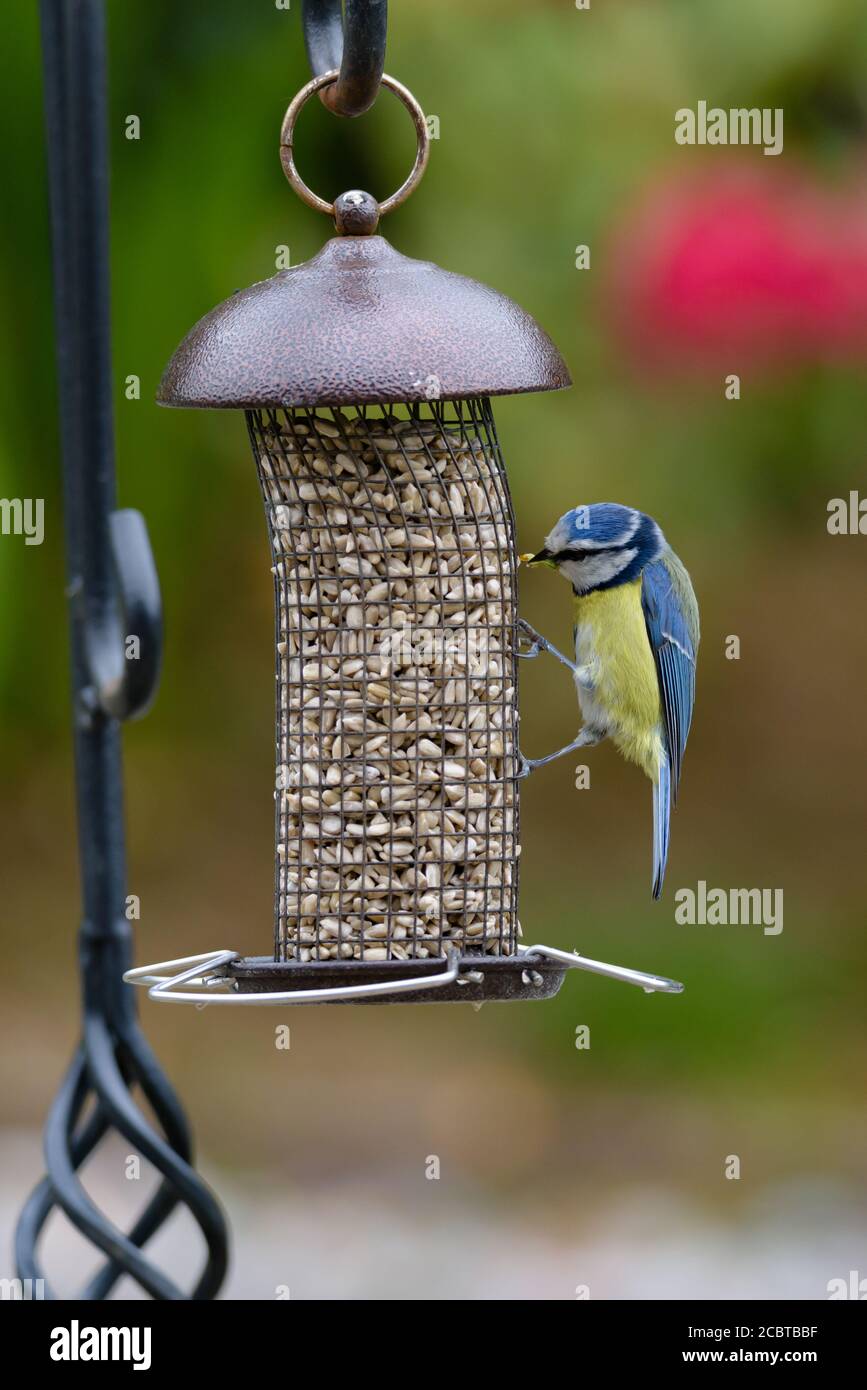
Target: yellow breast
[611,638]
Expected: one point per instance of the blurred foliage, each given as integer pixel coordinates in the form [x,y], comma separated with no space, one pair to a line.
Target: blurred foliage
[553,125]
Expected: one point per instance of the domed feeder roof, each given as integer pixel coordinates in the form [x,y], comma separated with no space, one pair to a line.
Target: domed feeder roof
[361,324]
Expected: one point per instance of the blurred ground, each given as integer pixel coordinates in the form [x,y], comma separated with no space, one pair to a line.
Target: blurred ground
[410,1240]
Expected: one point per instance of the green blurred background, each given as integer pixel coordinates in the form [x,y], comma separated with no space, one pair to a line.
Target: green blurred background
[560,1167]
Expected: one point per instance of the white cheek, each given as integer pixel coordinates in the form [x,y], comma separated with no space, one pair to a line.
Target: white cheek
[574,571]
[597,569]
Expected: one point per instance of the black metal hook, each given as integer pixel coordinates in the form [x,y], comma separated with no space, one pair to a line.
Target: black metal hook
[123,638]
[354,45]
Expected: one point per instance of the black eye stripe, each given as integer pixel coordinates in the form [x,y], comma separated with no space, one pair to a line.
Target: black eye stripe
[573,554]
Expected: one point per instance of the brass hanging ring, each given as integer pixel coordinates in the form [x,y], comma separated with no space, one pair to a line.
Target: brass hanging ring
[287,152]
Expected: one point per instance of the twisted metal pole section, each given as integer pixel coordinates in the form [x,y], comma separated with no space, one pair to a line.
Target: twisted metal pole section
[113,592]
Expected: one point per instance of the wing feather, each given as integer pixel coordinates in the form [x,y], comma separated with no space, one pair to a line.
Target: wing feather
[671,616]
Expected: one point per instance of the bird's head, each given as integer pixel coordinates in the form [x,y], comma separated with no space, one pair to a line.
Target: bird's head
[600,546]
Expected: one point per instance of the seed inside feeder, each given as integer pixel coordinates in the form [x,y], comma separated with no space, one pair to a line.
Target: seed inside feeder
[392,540]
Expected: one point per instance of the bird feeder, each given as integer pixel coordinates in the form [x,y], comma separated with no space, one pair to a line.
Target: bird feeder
[366,380]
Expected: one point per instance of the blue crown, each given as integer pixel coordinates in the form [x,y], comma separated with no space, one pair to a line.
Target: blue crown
[596,527]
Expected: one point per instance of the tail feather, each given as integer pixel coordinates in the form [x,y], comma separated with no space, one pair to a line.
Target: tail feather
[661,816]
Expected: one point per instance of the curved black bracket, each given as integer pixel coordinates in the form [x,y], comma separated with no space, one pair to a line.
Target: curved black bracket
[356,46]
[123,638]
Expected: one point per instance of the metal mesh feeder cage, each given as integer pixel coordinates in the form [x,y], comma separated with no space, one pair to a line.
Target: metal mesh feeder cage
[366,379]
[391,536]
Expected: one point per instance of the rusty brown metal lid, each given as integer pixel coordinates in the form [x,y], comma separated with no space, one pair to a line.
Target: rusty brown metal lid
[360,323]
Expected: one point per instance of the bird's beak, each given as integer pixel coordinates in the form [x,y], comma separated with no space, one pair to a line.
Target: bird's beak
[539,558]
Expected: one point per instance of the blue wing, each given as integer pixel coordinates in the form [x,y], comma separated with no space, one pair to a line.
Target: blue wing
[671,615]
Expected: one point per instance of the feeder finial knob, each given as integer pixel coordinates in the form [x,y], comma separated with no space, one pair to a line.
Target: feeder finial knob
[356,213]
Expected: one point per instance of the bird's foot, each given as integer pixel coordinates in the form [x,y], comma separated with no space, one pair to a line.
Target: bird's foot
[587,738]
[526,633]
[538,644]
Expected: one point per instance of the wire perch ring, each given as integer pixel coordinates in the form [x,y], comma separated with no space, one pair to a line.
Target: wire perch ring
[206,972]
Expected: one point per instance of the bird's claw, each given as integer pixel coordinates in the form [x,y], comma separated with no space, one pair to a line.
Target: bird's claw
[586,738]
[529,634]
[538,644]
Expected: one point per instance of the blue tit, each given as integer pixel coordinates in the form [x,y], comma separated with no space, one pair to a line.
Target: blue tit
[636,641]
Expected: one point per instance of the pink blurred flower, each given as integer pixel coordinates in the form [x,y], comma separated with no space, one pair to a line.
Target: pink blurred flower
[741,266]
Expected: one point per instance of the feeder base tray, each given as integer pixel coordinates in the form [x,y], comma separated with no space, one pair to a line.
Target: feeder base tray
[224,977]
[482,979]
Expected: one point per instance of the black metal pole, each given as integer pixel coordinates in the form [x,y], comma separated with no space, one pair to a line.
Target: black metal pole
[113,594]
